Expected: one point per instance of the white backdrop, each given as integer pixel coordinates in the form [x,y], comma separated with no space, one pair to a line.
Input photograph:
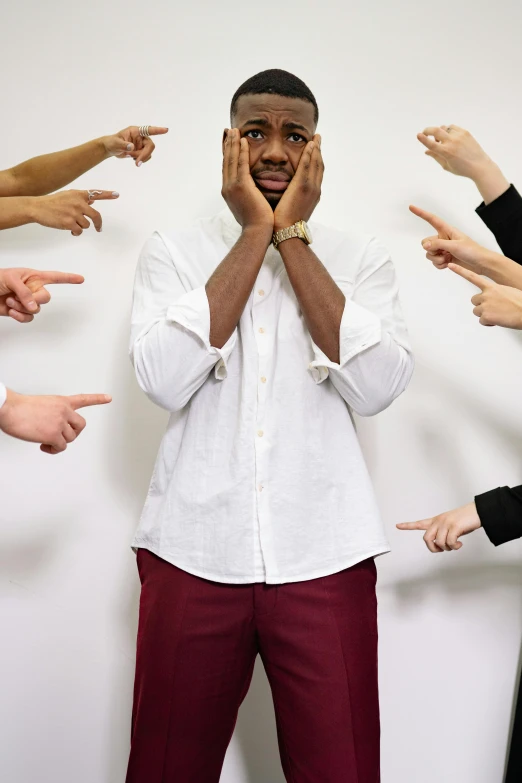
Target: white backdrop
[451,625]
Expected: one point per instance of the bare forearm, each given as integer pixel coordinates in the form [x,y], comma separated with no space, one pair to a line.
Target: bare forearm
[47,173]
[321,300]
[16,211]
[490,182]
[230,285]
[502,270]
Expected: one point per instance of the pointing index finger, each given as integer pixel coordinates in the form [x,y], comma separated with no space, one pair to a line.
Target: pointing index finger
[85,400]
[467,274]
[422,524]
[61,277]
[429,217]
[157,130]
[100,195]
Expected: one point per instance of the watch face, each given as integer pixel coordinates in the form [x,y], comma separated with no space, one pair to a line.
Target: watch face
[307,232]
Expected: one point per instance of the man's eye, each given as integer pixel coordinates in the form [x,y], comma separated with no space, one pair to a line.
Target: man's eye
[252,135]
[296,137]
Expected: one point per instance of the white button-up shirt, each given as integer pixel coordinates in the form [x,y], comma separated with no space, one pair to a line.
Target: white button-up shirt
[260,475]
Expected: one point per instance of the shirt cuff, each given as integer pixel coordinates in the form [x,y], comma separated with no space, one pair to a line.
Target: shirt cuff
[192,312]
[358,331]
[497,525]
[3,394]
[501,209]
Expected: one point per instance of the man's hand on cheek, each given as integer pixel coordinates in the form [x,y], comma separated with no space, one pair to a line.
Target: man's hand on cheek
[246,202]
[303,193]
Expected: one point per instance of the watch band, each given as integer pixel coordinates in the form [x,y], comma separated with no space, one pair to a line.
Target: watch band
[296,231]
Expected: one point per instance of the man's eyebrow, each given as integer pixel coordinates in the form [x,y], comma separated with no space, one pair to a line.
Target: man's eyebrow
[287,125]
[262,122]
[295,126]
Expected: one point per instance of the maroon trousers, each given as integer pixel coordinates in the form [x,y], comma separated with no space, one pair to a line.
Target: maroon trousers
[197,644]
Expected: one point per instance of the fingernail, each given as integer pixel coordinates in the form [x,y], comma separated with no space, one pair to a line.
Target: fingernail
[32,306]
[426,245]
[138,164]
[129,146]
[115,193]
[128,156]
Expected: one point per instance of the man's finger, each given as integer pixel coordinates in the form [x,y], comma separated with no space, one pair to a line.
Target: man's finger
[243,165]
[435,221]
[303,167]
[422,524]
[100,195]
[85,400]
[60,277]
[467,274]
[233,160]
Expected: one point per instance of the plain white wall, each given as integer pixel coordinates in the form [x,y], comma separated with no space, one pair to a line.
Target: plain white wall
[450,625]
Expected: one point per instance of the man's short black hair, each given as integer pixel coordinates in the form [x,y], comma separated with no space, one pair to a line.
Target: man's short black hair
[277,82]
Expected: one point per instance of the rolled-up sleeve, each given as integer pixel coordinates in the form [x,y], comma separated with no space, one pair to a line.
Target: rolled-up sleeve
[170,332]
[375,363]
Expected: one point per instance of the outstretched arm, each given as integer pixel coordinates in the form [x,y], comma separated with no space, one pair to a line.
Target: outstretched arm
[47,173]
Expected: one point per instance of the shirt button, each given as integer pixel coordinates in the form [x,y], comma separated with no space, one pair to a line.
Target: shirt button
[261,292]
[261,330]
[260,433]
[263,379]
[260,487]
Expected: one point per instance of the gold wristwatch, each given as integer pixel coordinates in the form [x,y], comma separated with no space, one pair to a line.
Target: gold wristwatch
[299,230]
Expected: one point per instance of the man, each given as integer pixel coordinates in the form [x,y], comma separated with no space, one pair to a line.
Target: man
[260,527]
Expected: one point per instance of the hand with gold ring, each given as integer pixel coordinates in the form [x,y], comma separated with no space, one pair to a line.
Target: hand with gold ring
[134,142]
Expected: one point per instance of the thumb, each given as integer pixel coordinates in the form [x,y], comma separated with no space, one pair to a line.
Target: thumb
[23,292]
[118,146]
[85,400]
[435,245]
[422,524]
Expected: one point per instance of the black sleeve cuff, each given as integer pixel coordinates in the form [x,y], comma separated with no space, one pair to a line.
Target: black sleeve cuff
[500,512]
[502,209]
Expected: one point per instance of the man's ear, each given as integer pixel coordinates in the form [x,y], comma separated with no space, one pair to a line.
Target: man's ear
[225,132]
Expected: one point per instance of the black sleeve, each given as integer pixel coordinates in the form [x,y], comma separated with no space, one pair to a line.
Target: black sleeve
[504,218]
[500,512]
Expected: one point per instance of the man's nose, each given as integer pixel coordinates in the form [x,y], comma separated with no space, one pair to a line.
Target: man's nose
[274,152]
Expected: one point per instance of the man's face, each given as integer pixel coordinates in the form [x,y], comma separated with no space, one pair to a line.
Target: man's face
[277,130]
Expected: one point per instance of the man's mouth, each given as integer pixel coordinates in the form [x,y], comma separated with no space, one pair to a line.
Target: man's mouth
[272,181]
